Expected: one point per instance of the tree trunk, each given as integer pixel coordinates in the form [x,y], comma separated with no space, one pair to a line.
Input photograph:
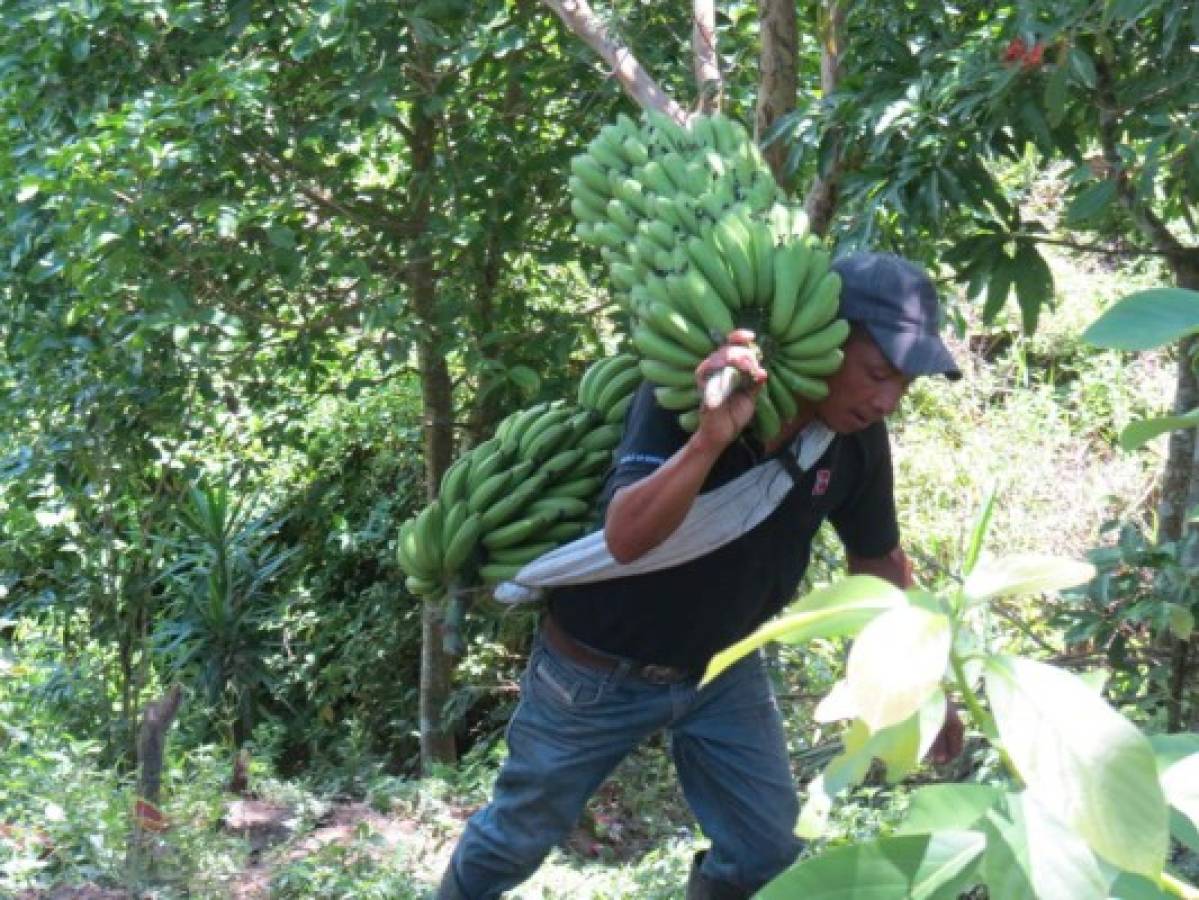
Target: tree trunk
[778,78]
[709,84]
[1180,493]
[821,203]
[437,739]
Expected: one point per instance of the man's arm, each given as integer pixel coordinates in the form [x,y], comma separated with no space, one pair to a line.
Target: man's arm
[644,514]
[894,567]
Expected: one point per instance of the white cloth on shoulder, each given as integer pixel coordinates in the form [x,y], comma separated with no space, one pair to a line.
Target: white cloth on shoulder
[715,519]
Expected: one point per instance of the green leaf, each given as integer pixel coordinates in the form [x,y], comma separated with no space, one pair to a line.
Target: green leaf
[838,610]
[1024,573]
[896,664]
[1030,853]
[978,534]
[1182,621]
[1171,748]
[998,287]
[1034,283]
[1138,433]
[1180,782]
[1135,887]
[1055,94]
[1090,203]
[526,380]
[1146,319]
[945,807]
[1081,759]
[1082,67]
[916,866]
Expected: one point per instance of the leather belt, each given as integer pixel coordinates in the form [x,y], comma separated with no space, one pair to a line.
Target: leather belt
[576,651]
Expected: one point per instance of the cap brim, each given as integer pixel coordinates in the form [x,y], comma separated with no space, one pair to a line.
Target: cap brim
[913,351]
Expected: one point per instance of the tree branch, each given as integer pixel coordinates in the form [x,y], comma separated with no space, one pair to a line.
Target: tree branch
[633,77]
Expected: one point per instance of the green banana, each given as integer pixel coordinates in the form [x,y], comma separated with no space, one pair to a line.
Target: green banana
[452,520]
[707,259]
[653,176]
[695,294]
[489,491]
[766,418]
[564,532]
[581,488]
[550,420]
[818,308]
[453,482]
[783,400]
[790,266]
[818,343]
[816,366]
[673,325]
[603,438]
[803,385]
[562,462]
[428,537]
[560,507]
[677,398]
[733,240]
[590,173]
[762,241]
[619,213]
[494,573]
[689,421]
[655,346]
[621,385]
[459,547]
[517,532]
[618,410]
[660,373]
[507,507]
[421,587]
[522,554]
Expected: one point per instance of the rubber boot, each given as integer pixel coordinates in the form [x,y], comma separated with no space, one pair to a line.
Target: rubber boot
[702,887]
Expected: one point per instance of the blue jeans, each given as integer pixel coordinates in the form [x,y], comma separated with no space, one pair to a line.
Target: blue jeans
[574,724]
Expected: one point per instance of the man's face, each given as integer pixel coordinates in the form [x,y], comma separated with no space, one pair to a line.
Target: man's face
[864,390]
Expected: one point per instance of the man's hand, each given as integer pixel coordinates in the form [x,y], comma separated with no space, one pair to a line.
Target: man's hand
[948,744]
[719,426]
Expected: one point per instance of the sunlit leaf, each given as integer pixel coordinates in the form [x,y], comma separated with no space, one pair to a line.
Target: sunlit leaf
[915,866]
[1081,759]
[897,663]
[1090,203]
[1027,573]
[1141,431]
[838,610]
[942,807]
[1146,319]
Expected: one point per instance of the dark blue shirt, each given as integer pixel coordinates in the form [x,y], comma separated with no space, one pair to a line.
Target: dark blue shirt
[683,615]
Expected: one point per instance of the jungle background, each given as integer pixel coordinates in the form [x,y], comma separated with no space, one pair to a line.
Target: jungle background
[270,266]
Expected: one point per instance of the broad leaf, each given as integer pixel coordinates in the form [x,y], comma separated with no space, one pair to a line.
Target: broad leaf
[1180,782]
[896,664]
[1025,573]
[1141,431]
[1081,759]
[1030,853]
[1034,284]
[917,866]
[1135,887]
[943,807]
[1146,319]
[838,610]
[1090,203]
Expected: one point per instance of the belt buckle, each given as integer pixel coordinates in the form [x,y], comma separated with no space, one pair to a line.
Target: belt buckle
[656,674]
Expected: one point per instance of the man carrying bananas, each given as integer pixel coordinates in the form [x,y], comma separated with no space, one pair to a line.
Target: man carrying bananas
[616,661]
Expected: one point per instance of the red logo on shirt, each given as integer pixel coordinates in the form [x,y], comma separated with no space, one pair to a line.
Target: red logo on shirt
[823,477]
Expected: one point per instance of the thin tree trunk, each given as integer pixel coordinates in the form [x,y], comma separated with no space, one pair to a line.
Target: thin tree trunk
[778,77]
[709,83]
[437,739]
[1180,494]
[822,199]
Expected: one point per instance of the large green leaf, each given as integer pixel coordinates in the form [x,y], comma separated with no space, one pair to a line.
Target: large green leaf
[896,664]
[1024,573]
[1030,853]
[915,866]
[1090,203]
[1081,759]
[838,610]
[1141,431]
[1146,319]
[941,807]
[1180,782]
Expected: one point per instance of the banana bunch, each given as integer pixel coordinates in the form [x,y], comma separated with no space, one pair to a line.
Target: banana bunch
[529,489]
[698,243]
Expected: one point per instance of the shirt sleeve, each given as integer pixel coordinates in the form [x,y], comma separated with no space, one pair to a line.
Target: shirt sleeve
[866,521]
[651,436]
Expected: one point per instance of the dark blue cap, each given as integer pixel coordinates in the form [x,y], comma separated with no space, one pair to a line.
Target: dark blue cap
[895,301]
